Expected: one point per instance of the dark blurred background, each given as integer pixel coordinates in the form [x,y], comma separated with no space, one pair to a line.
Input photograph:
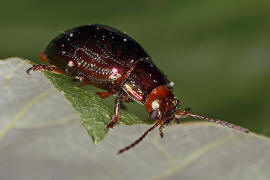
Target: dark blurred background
[217,52]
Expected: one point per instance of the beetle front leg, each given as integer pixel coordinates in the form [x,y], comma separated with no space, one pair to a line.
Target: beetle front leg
[115,116]
[45,67]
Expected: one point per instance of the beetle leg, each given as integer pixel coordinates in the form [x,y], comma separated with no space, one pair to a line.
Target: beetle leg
[104,95]
[116,111]
[126,98]
[188,109]
[45,67]
[161,126]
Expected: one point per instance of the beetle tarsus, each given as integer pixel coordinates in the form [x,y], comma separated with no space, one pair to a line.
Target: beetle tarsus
[29,70]
[160,130]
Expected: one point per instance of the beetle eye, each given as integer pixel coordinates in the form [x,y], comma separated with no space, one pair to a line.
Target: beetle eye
[154,114]
[155,104]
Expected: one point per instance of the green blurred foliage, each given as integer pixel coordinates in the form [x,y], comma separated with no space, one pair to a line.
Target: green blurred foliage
[216,52]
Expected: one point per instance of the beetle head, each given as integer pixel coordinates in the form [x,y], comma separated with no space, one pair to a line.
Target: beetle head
[161,104]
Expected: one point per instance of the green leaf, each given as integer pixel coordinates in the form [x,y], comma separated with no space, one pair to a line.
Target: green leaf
[94,112]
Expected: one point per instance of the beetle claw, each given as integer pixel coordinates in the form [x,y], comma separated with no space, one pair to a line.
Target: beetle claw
[160,130]
[29,70]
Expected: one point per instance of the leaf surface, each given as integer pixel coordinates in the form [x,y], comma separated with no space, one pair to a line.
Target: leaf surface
[41,138]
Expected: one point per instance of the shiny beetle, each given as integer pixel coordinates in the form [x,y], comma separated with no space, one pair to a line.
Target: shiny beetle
[109,59]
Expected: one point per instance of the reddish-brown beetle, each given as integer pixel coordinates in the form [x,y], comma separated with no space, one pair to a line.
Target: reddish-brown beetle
[109,59]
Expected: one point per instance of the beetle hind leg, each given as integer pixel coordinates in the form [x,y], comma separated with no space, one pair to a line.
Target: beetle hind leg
[50,68]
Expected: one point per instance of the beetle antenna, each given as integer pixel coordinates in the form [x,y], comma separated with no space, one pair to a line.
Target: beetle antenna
[183,114]
[140,139]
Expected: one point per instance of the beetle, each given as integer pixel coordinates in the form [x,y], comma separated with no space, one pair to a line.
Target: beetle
[109,59]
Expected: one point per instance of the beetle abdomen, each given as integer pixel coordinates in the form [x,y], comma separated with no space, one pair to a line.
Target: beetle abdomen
[98,53]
